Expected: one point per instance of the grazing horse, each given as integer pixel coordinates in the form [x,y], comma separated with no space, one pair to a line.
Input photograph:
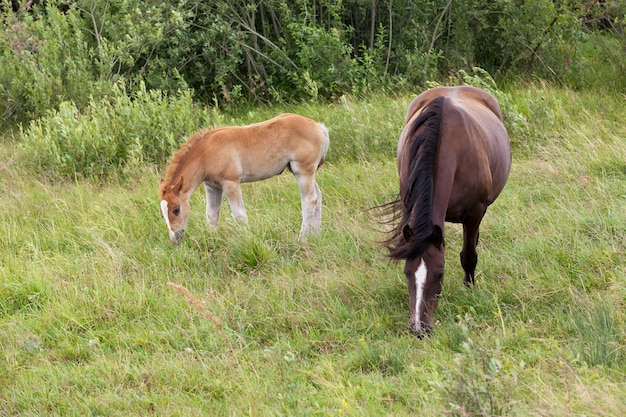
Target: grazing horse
[454,159]
[225,157]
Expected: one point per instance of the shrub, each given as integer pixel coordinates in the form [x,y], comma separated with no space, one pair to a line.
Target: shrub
[482,380]
[273,51]
[112,135]
[45,59]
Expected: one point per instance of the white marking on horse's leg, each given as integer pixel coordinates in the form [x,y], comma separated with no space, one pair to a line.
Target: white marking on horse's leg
[235,201]
[420,280]
[309,200]
[314,217]
[213,204]
[164,211]
[317,216]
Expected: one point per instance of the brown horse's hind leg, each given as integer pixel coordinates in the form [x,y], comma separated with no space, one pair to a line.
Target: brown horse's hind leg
[469,256]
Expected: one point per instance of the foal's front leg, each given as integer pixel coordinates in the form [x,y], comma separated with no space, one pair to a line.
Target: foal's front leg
[232,189]
[213,204]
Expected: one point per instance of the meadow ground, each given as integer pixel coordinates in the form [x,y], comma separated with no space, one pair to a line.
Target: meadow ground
[101,315]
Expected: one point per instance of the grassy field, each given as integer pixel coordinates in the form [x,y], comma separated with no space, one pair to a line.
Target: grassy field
[101,315]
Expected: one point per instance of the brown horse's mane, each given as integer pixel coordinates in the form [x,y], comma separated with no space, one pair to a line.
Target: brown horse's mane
[411,235]
[179,156]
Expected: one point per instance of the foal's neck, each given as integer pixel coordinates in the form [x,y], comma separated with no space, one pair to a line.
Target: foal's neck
[193,175]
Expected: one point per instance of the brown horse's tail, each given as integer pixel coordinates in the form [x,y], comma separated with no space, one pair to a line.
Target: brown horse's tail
[413,231]
[325,144]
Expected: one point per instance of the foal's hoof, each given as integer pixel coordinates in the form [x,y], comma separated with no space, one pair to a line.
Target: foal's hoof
[305,233]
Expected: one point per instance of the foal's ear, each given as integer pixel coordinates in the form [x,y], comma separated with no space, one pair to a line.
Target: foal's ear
[407,232]
[436,237]
[178,186]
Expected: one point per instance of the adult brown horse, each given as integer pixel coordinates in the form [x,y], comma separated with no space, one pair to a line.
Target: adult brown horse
[454,159]
[225,157]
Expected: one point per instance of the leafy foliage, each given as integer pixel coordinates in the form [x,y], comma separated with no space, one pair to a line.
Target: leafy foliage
[111,135]
[482,380]
[45,59]
[229,51]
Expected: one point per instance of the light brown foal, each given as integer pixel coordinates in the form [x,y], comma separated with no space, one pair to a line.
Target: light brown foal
[225,157]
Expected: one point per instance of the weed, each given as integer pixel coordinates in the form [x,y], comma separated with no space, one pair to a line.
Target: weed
[482,379]
[598,339]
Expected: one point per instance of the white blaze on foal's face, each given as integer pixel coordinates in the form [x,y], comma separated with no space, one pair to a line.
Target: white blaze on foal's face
[420,280]
[175,214]
[164,211]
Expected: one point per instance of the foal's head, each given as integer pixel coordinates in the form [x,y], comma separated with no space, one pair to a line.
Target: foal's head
[425,278]
[174,208]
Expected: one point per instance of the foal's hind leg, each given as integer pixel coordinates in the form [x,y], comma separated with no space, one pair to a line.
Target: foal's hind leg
[213,204]
[469,256]
[317,215]
[311,201]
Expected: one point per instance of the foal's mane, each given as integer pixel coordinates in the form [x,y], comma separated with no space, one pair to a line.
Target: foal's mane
[412,232]
[180,155]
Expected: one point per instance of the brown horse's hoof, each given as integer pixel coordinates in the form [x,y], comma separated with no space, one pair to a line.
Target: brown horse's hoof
[469,281]
[423,331]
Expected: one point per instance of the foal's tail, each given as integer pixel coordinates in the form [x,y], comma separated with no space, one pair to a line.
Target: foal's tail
[325,144]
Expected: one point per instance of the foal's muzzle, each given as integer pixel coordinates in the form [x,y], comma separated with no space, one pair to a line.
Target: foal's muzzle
[177,236]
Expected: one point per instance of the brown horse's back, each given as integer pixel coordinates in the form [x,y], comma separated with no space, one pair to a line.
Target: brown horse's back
[465,93]
[474,167]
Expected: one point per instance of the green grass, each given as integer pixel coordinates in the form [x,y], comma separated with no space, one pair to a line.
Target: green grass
[273,326]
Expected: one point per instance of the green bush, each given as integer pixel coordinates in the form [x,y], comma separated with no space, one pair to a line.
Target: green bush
[45,59]
[234,52]
[112,135]
[483,379]
[328,66]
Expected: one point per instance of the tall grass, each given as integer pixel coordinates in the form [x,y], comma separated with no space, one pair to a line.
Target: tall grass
[101,315]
